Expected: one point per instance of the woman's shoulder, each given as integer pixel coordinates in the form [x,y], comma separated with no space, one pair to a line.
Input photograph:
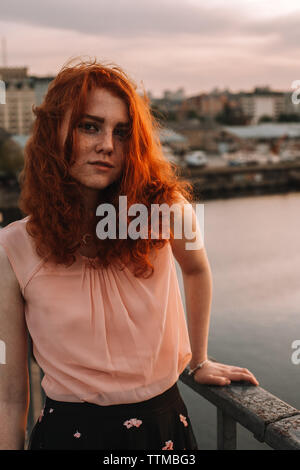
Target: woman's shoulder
[14,231]
[19,249]
[15,238]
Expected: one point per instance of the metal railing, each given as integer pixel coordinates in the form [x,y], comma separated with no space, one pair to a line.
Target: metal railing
[270,419]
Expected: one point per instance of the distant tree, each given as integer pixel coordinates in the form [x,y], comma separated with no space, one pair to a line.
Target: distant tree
[158,113]
[291,117]
[171,116]
[11,157]
[265,118]
[232,116]
[192,114]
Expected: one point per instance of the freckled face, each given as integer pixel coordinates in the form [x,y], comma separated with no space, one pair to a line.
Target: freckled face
[102,134]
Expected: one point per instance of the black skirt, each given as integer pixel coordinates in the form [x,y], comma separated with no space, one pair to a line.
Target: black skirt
[160,423]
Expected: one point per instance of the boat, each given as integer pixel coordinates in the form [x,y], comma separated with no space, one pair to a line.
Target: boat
[289,155]
[196,158]
[234,158]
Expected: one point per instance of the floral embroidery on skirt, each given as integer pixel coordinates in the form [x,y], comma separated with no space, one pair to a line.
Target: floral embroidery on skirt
[168,446]
[133,422]
[183,420]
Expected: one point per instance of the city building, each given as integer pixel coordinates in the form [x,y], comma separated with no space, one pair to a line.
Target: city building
[239,108]
[261,103]
[21,93]
[177,95]
[168,105]
[203,105]
[289,106]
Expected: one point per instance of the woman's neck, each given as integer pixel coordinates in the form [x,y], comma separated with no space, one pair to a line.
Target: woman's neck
[91,201]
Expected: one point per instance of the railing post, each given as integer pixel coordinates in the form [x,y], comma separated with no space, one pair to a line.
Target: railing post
[30,418]
[226,431]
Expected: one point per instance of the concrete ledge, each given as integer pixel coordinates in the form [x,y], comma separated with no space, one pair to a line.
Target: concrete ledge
[270,419]
[284,434]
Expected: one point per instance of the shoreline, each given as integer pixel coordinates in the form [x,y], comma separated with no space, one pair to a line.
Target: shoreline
[209,183]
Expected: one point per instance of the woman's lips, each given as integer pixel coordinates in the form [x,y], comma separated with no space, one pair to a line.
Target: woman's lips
[101,166]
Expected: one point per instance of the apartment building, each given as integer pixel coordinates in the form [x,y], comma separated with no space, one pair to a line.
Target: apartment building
[21,93]
[205,104]
[262,102]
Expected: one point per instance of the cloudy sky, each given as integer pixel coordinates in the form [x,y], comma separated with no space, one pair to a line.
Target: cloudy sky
[162,44]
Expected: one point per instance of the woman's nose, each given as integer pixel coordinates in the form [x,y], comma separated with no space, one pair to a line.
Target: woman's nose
[105,142]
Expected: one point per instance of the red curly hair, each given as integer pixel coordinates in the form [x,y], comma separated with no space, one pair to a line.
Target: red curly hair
[53,198]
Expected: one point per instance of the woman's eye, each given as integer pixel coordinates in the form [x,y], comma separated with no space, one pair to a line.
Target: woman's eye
[121,133]
[88,127]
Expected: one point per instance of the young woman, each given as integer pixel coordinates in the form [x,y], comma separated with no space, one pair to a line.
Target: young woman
[105,314]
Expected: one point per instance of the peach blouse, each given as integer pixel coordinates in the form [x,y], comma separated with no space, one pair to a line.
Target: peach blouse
[101,336]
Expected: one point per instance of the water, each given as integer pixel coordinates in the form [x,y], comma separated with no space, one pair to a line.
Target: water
[253,245]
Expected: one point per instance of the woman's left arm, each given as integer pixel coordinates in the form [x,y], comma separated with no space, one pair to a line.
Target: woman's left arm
[197,281]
